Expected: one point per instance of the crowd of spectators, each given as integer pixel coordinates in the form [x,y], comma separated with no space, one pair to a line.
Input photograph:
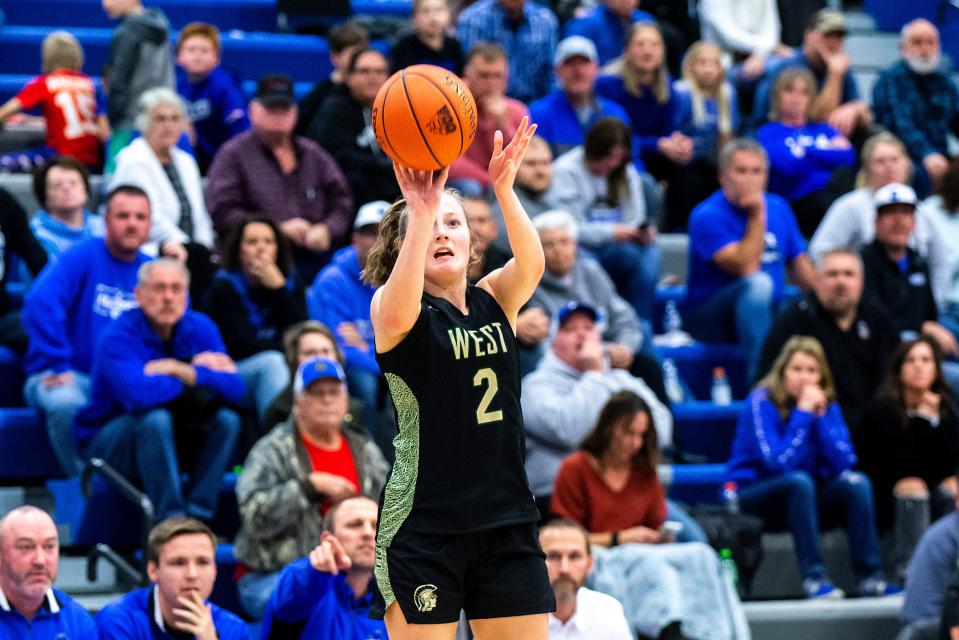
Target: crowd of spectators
[213,311]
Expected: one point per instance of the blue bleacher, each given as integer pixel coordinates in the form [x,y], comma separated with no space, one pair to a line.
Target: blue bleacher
[696,483]
[706,429]
[11,379]
[25,454]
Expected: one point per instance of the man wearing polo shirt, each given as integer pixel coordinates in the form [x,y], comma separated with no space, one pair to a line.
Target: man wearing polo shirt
[29,605]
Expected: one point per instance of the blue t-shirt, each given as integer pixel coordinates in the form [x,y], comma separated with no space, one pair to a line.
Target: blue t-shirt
[59,618]
[216,106]
[606,29]
[56,236]
[559,124]
[716,223]
[132,616]
[801,159]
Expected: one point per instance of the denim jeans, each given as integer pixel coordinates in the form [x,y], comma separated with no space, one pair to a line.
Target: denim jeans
[741,312]
[253,591]
[141,448]
[265,375]
[59,405]
[634,269]
[797,500]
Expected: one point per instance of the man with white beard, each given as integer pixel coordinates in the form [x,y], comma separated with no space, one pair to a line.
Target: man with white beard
[917,101]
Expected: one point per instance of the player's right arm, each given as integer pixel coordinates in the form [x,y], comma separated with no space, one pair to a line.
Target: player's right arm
[396,305]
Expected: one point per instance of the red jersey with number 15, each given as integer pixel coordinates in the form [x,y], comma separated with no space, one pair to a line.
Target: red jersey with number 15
[69,102]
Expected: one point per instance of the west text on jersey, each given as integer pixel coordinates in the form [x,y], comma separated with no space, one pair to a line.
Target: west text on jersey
[488,340]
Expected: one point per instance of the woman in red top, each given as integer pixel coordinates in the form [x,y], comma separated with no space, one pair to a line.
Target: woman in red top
[611,487]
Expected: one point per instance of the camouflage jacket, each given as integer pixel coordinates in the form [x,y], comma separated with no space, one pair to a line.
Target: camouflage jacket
[279,508]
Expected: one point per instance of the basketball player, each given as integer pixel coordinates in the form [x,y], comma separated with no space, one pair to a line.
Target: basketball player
[457,526]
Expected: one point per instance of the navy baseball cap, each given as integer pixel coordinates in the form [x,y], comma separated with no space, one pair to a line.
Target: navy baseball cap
[275,90]
[317,369]
[570,308]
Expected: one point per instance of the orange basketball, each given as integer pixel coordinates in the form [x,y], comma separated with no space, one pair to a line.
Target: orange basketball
[424,117]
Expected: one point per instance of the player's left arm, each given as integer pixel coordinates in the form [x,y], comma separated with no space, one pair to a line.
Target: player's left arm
[513,284]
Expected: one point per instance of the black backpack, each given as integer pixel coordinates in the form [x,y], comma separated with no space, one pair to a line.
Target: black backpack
[741,533]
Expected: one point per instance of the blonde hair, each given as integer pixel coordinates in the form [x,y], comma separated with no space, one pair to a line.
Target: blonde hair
[786,79]
[869,148]
[392,230]
[725,120]
[623,68]
[775,380]
[61,50]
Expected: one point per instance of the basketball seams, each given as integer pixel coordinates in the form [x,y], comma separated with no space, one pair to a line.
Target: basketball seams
[419,127]
[386,133]
[453,109]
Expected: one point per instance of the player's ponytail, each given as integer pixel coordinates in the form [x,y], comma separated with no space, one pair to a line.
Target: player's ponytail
[383,255]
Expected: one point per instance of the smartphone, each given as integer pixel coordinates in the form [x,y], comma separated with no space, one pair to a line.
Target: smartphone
[670,529]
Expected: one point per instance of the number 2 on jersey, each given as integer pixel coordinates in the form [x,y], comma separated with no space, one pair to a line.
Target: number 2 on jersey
[487,377]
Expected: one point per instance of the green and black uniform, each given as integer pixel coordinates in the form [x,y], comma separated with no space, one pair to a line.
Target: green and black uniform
[457,519]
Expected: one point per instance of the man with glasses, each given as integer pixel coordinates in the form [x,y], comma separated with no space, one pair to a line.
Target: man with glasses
[161,380]
[294,474]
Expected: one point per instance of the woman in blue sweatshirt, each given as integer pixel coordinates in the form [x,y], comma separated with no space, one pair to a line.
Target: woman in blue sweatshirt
[808,161]
[793,462]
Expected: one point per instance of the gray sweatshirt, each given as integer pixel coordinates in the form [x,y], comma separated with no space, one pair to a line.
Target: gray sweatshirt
[140,60]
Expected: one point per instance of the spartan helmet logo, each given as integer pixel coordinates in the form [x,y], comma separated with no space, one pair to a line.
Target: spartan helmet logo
[425,597]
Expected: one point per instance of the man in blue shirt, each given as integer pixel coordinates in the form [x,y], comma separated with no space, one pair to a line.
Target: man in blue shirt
[326,596]
[564,116]
[525,30]
[161,370]
[29,605]
[741,240]
[606,25]
[838,102]
[70,304]
[181,563]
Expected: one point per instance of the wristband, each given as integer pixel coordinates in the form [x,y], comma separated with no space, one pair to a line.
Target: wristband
[614,539]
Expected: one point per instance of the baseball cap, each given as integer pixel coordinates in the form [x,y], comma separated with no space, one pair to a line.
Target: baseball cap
[894,193]
[570,308]
[828,21]
[317,369]
[274,90]
[370,213]
[575,46]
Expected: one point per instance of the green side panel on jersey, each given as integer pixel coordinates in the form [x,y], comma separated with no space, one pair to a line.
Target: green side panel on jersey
[399,491]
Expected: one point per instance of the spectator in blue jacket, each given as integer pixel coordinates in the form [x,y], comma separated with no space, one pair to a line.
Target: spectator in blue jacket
[525,30]
[213,99]
[62,187]
[741,241]
[606,25]
[181,564]
[341,300]
[326,596]
[808,161]
[29,605]
[565,115]
[68,307]
[160,371]
[793,460]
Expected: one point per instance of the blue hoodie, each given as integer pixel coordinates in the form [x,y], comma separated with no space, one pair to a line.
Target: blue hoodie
[216,106]
[339,295]
[320,606]
[59,617]
[765,446]
[118,384]
[802,159]
[72,301]
[56,236]
[132,617]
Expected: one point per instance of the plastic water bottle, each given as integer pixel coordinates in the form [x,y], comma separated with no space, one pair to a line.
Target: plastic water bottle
[721,393]
[674,388]
[731,497]
[672,321]
[729,565]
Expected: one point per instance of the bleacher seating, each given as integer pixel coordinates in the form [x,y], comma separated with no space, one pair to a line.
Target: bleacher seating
[25,453]
[11,379]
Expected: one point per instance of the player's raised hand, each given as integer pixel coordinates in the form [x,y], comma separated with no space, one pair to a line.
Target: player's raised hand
[329,556]
[506,160]
[421,189]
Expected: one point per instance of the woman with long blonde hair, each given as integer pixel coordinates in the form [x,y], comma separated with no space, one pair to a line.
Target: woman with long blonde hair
[793,460]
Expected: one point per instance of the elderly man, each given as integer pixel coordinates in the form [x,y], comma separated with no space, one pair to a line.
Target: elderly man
[838,102]
[917,100]
[68,307]
[295,473]
[564,116]
[856,336]
[269,170]
[326,595]
[486,73]
[181,564]
[29,605]
[741,240]
[526,31]
[161,374]
[581,613]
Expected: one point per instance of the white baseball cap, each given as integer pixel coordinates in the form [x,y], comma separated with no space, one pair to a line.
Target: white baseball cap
[370,213]
[894,193]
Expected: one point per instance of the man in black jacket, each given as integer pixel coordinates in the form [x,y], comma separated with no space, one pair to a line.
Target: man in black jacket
[855,335]
[15,237]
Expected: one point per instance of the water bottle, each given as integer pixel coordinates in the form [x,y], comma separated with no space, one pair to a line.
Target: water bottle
[729,565]
[721,393]
[672,321]
[674,388]
[731,497]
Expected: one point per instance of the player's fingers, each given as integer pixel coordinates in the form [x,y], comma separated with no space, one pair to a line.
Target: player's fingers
[497,143]
[441,178]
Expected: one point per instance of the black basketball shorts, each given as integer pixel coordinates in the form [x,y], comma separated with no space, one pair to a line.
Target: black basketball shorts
[496,573]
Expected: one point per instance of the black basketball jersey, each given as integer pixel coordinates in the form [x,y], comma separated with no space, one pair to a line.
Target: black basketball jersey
[455,383]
